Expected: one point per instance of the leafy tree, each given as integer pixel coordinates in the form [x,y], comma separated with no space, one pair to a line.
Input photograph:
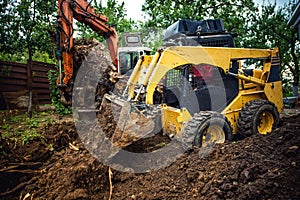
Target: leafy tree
[24,26]
[116,15]
[8,26]
[269,29]
[264,27]
[24,30]
[152,37]
[235,13]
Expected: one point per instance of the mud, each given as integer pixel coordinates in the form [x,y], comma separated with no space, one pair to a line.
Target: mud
[59,167]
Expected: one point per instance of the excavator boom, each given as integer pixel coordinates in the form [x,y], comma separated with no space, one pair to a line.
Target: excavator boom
[84,13]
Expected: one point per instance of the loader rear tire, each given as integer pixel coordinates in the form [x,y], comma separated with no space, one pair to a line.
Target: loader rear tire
[257,116]
[205,129]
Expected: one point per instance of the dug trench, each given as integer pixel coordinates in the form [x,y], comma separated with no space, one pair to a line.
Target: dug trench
[59,167]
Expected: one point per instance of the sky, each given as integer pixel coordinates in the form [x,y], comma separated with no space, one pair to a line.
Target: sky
[278,2]
[134,7]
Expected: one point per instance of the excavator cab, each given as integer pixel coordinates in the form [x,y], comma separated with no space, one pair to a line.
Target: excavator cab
[128,57]
[131,52]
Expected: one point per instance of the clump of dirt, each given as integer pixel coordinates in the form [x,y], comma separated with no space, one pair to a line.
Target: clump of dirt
[92,66]
[129,129]
[82,48]
[72,174]
[258,167]
[57,167]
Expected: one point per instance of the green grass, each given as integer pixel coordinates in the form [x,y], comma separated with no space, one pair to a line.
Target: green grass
[20,129]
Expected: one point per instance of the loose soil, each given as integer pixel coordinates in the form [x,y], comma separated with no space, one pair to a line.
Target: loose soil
[59,167]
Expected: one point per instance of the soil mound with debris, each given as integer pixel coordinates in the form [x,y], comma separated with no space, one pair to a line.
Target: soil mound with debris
[258,167]
[59,167]
[92,66]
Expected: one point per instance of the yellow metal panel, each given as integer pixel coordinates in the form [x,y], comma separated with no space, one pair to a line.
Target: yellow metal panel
[169,120]
[148,71]
[135,71]
[266,71]
[184,116]
[217,56]
[257,73]
[177,56]
[143,62]
[173,119]
[158,73]
[275,52]
[273,92]
[173,57]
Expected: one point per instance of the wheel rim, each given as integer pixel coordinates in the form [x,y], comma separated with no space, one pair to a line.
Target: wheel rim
[213,134]
[266,122]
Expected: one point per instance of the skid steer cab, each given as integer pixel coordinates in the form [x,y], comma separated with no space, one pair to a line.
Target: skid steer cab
[204,95]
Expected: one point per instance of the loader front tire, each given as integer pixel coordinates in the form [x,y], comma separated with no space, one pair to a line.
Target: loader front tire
[206,128]
[257,116]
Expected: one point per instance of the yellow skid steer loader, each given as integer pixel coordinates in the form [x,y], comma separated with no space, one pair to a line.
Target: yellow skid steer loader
[203,95]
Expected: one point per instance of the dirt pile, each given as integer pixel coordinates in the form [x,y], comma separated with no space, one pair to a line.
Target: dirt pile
[73,174]
[82,47]
[22,165]
[56,167]
[258,167]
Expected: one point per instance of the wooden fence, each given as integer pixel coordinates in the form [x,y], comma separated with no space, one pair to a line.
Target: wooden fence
[16,79]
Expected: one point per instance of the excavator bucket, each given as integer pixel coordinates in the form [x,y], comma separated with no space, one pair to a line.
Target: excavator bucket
[131,123]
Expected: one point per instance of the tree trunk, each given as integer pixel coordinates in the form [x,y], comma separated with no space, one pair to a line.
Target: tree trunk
[29,42]
[29,63]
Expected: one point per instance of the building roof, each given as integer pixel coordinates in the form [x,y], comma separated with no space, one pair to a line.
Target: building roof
[295,17]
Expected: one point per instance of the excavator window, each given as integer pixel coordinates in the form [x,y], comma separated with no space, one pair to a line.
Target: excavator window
[212,87]
[128,61]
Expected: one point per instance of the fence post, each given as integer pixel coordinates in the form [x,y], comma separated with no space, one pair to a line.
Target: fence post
[29,86]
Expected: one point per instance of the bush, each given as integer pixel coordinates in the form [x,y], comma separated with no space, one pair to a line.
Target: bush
[55,95]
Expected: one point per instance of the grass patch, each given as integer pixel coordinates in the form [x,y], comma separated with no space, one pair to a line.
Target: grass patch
[20,129]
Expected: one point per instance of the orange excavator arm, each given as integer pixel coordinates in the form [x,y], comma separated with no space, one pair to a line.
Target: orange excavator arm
[82,12]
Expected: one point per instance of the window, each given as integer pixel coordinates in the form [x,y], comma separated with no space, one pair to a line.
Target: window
[127,61]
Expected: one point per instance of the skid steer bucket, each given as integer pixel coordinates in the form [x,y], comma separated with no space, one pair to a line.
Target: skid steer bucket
[131,123]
